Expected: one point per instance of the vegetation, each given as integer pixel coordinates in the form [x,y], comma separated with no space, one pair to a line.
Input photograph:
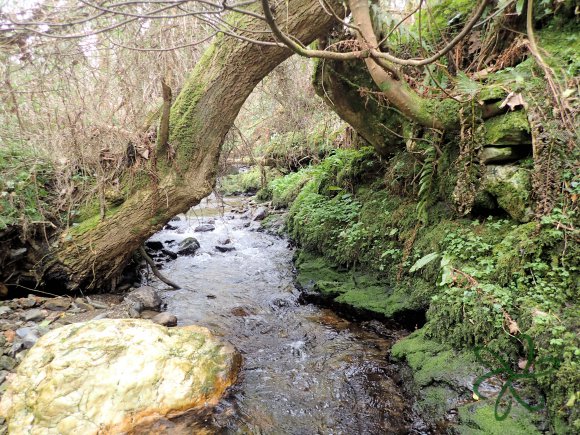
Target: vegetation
[25,186]
[456,194]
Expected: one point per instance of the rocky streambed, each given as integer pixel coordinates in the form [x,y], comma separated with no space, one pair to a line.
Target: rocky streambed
[305,369]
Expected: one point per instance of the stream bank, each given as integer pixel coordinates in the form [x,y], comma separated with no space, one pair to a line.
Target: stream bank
[490,279]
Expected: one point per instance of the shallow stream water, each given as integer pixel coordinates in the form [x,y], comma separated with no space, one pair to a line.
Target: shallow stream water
[306,370]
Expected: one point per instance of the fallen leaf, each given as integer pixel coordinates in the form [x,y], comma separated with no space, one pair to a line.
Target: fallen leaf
[512,324]
[513,100]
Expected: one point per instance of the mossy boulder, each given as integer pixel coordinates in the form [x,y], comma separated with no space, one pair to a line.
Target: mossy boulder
[512,128]
[109,376]
[511,187]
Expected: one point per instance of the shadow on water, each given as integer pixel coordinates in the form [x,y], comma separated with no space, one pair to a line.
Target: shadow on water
[306,370]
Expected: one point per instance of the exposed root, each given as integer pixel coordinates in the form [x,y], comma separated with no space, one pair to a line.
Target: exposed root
[156,272]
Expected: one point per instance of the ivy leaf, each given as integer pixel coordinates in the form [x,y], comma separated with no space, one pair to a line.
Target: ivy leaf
[424,261]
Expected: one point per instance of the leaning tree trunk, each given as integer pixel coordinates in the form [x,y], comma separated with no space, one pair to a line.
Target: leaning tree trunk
[93,254]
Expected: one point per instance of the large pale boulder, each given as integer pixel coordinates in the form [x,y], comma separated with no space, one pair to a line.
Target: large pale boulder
[109,376]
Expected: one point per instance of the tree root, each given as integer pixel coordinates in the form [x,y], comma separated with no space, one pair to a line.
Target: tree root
[156,272]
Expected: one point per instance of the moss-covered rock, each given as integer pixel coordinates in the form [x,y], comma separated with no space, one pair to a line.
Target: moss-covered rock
[511,187]
[512,128]
[363,292]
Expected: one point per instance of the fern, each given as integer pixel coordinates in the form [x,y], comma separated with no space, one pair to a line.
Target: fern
[465,85]
[426,184]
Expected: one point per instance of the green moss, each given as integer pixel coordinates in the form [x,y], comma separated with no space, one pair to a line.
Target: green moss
[479,418]
[511,187]
[435,363]
[434,401]
[355,218]
[90,223]
[512,128]
[359,290]
[246,182]
[562,43]
[184,123]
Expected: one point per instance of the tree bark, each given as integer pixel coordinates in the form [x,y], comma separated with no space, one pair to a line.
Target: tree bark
[92,255]
[340,84]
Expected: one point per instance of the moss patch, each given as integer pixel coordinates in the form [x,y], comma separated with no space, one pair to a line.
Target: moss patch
[512,128]
[479,419]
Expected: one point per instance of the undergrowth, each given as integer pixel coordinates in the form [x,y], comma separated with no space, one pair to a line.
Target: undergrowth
[24,188]
[482,280]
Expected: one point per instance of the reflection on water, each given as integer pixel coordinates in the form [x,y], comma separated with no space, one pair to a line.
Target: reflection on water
[306,370]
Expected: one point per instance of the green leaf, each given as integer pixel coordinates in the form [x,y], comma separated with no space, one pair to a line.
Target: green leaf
[519,7]
[423,261]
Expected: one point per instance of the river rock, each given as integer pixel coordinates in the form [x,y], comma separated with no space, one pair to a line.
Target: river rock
[35,315]
[501,154]
[97,304]
[188,246]
[225,248]
[165,319]
[4,309]
[154,245]
[109,376]
[26,302]
[146,296]
[260,214]
[7,363]
[169,253]
[30,340]
[204,228]
[57,304]
[84,305]
[135,309]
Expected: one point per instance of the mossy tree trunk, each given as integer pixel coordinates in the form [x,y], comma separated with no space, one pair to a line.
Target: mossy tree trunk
[92,254]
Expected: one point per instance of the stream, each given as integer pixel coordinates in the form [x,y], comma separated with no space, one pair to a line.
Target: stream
[306,370]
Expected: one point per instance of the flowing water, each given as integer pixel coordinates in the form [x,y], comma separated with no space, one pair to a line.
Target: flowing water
[306,370]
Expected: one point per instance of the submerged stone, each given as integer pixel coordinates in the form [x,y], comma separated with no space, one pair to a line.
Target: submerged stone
[225,248]
[109,376]
[188,246]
